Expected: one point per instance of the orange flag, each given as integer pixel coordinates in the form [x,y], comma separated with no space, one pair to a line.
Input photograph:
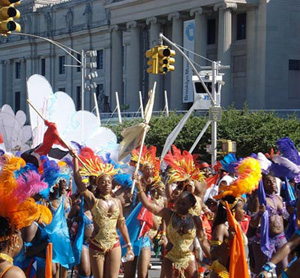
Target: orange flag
[238,265]
[48,269]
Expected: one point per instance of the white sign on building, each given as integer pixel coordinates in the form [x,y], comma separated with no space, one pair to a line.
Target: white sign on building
[188,43]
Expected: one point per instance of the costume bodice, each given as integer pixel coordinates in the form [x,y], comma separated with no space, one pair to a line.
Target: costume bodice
[107,234]
[180,253]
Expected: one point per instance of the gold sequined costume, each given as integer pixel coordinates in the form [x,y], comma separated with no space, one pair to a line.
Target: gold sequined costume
[107,236]
[180,253]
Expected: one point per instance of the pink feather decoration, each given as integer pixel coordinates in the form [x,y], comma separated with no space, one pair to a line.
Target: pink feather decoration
[29,184]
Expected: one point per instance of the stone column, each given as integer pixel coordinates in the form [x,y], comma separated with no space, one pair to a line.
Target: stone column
[69,77]
[28,73]
[134,67]
[224,46]
[9,74]
[23,90]
[2,83]
[200,35]
[175,96]
[116,65]
[154,31]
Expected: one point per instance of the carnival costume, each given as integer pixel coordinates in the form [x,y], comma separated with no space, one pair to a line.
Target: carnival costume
[107,237]
[180,253]
[249,175]
[139,222]
[18,183]
[182,169]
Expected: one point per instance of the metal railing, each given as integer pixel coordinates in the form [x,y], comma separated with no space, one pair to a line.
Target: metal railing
[109,118]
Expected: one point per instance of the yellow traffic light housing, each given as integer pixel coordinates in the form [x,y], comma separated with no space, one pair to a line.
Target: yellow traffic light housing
[152,55]
[165,59]
[227,147]
[8,13]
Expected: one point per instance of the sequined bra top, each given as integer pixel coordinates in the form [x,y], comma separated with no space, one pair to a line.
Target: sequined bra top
[107,235]
[180,253]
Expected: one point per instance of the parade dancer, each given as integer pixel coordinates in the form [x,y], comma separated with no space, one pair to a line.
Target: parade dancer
[104,244]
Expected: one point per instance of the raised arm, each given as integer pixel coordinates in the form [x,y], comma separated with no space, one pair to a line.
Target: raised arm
[88,195]
[159,211]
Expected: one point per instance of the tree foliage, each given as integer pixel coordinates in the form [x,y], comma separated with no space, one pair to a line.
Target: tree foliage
[253,131]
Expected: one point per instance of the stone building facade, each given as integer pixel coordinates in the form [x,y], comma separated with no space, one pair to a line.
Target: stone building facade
[258,39]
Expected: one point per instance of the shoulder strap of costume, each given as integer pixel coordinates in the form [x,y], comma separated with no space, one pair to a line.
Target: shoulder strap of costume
[5,270]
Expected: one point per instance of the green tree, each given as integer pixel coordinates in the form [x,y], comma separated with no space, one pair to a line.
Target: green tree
[253,131]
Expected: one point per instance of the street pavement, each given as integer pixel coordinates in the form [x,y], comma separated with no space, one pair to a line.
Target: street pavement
[154,271]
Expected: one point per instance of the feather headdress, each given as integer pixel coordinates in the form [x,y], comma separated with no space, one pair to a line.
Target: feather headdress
[148,157]
[123,179]
[249,175]
[229,162]
[286,163]
[182,166]
[288,150]
[95,164]
[15,203]
[51,174]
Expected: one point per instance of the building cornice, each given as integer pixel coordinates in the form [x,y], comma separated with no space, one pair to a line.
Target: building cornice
[224,6]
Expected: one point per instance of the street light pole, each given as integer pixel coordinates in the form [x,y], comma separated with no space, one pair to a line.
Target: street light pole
[69,51]
[83,75]
[214,128]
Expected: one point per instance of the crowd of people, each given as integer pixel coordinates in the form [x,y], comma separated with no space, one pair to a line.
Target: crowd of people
[101,218]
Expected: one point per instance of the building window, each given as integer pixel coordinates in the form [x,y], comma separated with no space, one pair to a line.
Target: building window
[18,70]
[62,89]
[78,64]
[43,66]
[294,64]
[123,56]
[294,77]
[99,90]
[62,61]
[211,31]
[17,101]
[241,26]
[100,59]
[78,98]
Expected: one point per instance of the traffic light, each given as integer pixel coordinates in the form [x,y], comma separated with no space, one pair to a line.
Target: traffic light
[165,59]
[228,146]
[7,14]
[152,55]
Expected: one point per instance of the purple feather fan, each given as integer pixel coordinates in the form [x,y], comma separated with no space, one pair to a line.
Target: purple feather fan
[283,167]
[287,148]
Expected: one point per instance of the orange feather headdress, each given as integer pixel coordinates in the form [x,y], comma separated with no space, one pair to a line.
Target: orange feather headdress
[182,166]
[20,209]
[249,175]
[95,164]
[148,157]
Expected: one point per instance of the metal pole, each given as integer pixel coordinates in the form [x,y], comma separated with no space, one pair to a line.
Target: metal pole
[166,104]
[162,37]
[97,109]
[214,122]
[141,104]
[83,68]
[119,109]
[199,136]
